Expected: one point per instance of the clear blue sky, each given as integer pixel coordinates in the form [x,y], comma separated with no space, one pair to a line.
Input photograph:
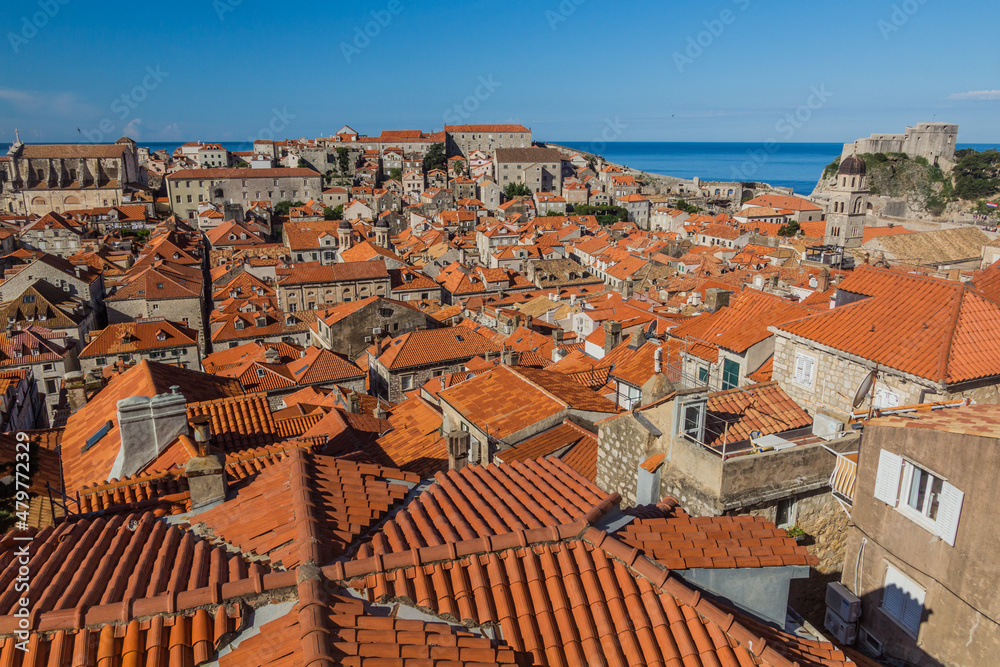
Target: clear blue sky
[570,70]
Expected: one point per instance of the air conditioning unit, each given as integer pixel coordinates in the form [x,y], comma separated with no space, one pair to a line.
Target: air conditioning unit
[368,339]
[844,603]
[845,632]
[826,427]
[377,331]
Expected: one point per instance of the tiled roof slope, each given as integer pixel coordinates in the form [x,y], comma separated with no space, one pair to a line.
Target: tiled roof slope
[90,571]
[732,415]
[127,337]
[483,501]
[144,379]
[306,508]
[680,541]
[415,443]
[353,636]
[245,422]
[941,330]
[565,435]
[570,594]
[506,400]
[431,346]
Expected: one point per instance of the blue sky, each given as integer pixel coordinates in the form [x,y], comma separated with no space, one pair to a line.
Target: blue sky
[726,70]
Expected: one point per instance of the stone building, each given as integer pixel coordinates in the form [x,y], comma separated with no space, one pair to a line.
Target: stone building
[845,221]
[127,343]
[81,282]
[934,141]
[464,139]
[49,356]
[312,286]
[922,542]
[161,289]
[410,360]
[54,234]
[540,169]
[821,360]
[740,451]
[46,305]
[350,327]
[39,178]
[189,187]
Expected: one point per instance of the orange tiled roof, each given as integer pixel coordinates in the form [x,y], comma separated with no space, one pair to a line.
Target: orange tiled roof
[433,346]
[415,443]
[141,335]
[681,542]
[559,437]
[936,329]
[307,507]
[732,415]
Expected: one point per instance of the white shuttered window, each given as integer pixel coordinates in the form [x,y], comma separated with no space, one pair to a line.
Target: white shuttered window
[805,366]
[902,599]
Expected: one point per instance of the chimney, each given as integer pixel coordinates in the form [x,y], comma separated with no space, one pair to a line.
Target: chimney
[77,270]
[716,298]
[557,336]
[458,450]
[612,336]
[639,338]
[647,491]
[271,355]
[658,360]
[354,403]
[76,390]
[823,281]
[379,412]
[510,357]
[773,282]
[206,472]
[147,426]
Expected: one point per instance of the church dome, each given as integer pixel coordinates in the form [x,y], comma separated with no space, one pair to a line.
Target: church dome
[852,166]
[344,224]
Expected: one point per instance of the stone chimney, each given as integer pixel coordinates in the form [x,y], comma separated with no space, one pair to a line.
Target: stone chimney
[271,355]
[379,412]
[557,336]
[716,298]
[206,472]
[612,335]
[823,281]
[354,403]
[639,338]
[510,357]
[458,450]
[147,426]
[76,390]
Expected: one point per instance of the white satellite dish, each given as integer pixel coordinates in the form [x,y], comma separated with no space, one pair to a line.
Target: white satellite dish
[864,388]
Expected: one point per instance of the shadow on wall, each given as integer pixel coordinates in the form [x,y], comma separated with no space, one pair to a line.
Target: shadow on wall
[898,648]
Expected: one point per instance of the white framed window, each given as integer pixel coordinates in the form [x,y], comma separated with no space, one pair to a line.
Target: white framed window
[805,369]
[925,498]
[406,382]
[902,600]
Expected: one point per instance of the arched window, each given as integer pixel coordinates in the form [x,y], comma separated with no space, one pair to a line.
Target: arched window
[857,205]
[38,201]
[71,201]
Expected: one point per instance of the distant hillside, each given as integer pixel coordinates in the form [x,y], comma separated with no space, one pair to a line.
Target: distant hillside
[926,187]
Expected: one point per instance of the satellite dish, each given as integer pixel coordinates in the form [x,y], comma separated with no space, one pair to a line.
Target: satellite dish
[864,388]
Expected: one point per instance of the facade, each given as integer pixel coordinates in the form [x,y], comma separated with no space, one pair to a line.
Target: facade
[845,225]
[189,187]
[540,169]
[312,286]
[922,544]
[54,234]
[350,327]
[464,139]
[934,141]
[49,357]
[39,178]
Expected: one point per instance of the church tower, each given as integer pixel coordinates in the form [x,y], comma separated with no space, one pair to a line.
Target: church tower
[845,221]
[382,233]
[344,232]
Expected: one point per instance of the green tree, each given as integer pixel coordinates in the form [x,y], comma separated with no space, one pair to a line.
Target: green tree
[515,189]
[435,158]
[343,159]
[335,213]
[282,207]
[303,163]
[790,228]
[458,167]
[242,164]
[396,174]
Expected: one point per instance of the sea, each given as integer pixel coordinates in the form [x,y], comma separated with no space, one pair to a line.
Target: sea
[791,165]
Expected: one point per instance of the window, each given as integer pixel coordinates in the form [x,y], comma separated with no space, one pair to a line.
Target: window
[902,600]
[703,374]
[784,512]
[261,372]
[50,386]
[805,367]
[28,298]
[927,499]
[406,382]
[730,374]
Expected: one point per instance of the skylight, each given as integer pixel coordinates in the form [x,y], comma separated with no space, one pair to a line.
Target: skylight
[100,433]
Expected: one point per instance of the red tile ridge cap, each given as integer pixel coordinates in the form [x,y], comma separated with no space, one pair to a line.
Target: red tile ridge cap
[653,462]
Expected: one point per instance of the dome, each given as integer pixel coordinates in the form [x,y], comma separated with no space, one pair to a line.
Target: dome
[344,224]
[852,166]
[381,223]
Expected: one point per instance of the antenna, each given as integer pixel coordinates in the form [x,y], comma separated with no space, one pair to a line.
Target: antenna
[866,388]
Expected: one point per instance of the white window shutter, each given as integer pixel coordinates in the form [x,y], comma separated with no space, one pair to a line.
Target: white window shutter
[887,479]
[949,509]
[893,598]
